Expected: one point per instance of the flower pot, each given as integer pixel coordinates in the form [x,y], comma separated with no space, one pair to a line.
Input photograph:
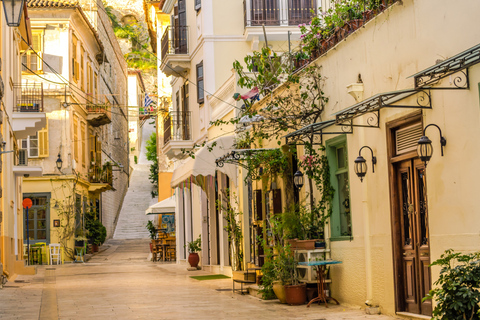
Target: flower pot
[311,293]
[305,244]
[279,291]
[355,24]
[193,259]
[94,247]
[151,246]
[296,294]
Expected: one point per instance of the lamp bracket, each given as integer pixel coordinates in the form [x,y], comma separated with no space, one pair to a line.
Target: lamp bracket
[374,159]
[443,141]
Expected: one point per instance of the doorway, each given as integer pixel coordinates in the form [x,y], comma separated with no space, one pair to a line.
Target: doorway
[410,227]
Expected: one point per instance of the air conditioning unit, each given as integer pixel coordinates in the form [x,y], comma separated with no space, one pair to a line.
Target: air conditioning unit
[23,157]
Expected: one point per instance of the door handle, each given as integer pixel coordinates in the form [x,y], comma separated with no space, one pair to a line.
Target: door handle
[424,254]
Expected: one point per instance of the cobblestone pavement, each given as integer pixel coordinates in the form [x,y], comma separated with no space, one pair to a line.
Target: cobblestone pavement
[120,283]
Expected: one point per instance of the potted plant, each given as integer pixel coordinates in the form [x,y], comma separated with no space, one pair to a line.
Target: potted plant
[97,234]
[193,248]
[286,268]
[153,232]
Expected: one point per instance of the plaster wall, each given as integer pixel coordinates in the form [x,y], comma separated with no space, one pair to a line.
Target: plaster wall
[405,39]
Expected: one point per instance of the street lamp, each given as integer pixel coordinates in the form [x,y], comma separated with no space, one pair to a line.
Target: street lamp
[298,179]
[13,12]
[59,163]
[361,164]
[425,149]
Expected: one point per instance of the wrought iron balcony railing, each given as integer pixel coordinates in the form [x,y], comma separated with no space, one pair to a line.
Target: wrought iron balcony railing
[28,97]
[99,174]
[278,12]
[177,126]
[175,41]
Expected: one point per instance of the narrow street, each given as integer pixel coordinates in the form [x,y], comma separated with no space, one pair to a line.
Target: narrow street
[119,283]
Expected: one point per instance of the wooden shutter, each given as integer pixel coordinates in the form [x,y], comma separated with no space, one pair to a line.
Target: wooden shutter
[98,158]
[92,143]
[406,139]
[84,143]
[75,138]
[257,195]
[277,201]
[74,58]
[43,141]
[81,73]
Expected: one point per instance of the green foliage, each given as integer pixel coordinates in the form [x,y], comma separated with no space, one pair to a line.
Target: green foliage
[233,228]
[195,245]
[97,232]
[272,162]
[151,155]
[151,229]
[458,291]
[268,274]
[135,159]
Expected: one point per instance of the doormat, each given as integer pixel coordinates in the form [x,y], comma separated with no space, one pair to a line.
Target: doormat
[210,277]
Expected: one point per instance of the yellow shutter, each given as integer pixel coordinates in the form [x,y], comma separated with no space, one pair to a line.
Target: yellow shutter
[75,138]
[99,153]
[84,143]
[43,141]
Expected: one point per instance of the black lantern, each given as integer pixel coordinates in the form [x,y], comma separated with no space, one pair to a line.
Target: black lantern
[361,164]
[13,12]
[298,179]
[425,149]
[59,163]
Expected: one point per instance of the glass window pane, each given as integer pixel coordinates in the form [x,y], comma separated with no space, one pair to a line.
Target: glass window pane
[42,201]
[33,152]
[31,224]
[341,158]
[31,234]
[41,214]
[41,235]
[200,90]
[31,214]
[41,224]
[344,205]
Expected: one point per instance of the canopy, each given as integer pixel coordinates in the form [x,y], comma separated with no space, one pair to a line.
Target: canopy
[164,206]
[204,162]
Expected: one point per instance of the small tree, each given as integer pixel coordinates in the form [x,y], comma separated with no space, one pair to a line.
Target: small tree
[458,291]
[152,156]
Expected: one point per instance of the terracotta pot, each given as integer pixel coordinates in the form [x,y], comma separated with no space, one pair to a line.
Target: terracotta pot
[95,247]
[305,244]
[355,24]
[279,291]
[193,259]
[151,247]
[296,294]
[311,293]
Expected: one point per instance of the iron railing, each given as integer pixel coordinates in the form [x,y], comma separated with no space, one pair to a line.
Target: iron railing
[175,41]
[28,97]
[99,174]
[277,12]
[177,127]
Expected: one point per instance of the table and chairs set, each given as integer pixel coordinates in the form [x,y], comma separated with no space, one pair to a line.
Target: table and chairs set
[163,248]
[41,253]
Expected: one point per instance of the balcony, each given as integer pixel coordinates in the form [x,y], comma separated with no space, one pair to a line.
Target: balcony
[279,16]
[98,114]
[177,134]
[100,177]
[28,116]
[175,57]
[22,168]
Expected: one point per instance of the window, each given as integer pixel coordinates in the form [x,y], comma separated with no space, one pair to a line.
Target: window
[75,138]
[30,60]
[198,4]
[36,145]
[38,218]
[200,92]
[75,64]
[84,143]
[95,90]
[341,219]
[81,74]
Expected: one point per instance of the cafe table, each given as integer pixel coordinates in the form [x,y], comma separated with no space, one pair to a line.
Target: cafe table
[320,266]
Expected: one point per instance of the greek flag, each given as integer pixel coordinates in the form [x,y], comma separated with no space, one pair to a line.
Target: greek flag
[147,101]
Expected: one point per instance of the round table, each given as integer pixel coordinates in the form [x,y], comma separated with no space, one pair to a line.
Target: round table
[320,266]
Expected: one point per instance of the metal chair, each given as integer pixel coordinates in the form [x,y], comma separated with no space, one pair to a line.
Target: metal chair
[54,251]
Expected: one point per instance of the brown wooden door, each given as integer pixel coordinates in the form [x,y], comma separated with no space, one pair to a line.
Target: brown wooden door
[413,221]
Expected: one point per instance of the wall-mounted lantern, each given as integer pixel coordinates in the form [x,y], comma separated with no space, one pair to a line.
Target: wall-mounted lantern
[59,163]
[298,179]
[13,12]
[425,149]
[361,164]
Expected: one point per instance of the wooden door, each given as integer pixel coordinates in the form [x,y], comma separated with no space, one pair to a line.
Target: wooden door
[412,219]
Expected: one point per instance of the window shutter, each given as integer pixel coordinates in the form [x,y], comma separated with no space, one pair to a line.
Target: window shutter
[92,143]
[406,139]
[43,141]
[258,204]
[23,157]
[39,61]
[277,201]
[98,158]
[75,138]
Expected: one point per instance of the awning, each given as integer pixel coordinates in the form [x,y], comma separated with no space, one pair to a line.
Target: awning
[373,105]
[450,66]
[313,133]
[204,162]
[164,206]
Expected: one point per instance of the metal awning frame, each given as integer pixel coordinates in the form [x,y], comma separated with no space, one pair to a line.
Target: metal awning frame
[313,133]
[238,156]
[374,104]
[457,65]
